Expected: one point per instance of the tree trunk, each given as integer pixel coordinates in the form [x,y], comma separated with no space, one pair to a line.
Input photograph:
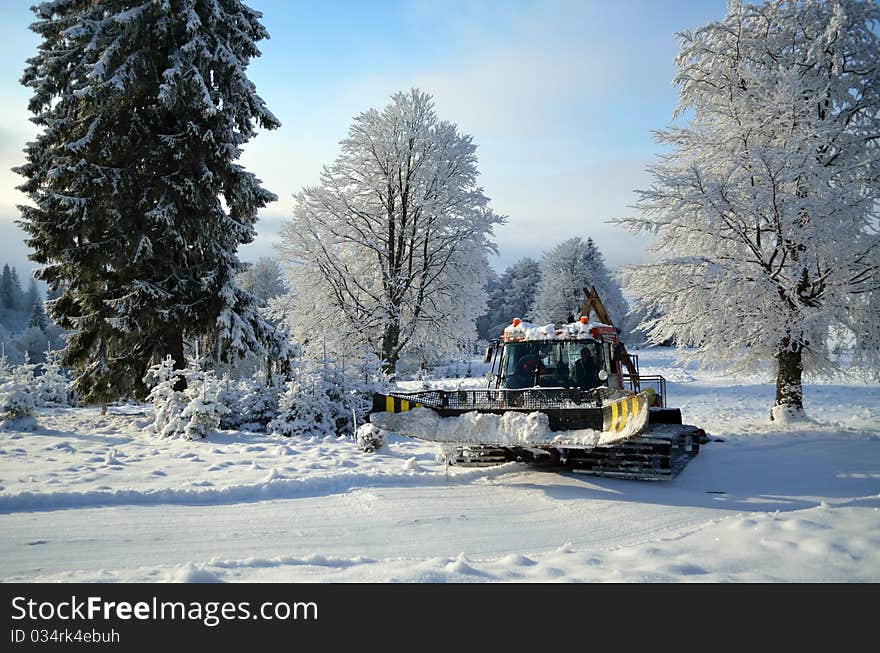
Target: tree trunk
[790,369]
[174,348]
[390,353]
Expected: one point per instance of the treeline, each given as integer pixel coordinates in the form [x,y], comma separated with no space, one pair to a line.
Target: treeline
[551,290]
[26,332]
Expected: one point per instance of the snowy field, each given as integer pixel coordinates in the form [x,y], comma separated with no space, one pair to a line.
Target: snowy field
[92,498]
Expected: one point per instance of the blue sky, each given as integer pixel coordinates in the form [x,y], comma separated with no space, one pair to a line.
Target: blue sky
[560,97]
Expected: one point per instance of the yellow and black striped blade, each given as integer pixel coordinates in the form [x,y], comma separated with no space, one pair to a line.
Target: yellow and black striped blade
[391,404]
[631,412]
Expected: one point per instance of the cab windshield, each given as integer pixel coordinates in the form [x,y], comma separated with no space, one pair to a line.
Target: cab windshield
[551,364]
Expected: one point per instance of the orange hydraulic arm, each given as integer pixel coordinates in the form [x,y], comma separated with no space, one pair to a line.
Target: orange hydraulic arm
[594,303]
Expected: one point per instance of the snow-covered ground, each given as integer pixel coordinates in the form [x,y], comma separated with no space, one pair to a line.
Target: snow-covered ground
[86,497]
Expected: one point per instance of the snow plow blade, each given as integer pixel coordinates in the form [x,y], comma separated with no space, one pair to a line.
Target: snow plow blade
[601,432]
[618,415]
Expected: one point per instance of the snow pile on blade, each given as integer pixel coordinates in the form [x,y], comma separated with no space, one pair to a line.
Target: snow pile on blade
[509,429]
[520,330]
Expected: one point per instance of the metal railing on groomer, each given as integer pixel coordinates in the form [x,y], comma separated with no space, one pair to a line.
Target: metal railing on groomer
[527,398]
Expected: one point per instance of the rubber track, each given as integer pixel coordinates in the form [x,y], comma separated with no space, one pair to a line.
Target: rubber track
[659,456]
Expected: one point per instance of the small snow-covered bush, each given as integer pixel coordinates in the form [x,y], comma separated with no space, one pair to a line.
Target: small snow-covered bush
[327,398]
[252,402]
[352,389]
[192,413]
[16,399]
[51,388]
[16,395]
[230,395]
[168,403]
[5,368]
[323,399]
[305,409]
[204,410]
[259,403]
[370,438]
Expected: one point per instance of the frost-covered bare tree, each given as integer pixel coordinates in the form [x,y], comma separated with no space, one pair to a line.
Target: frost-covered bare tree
[459,299]
[264,279]
[566,270]
[766,209]
[389,249]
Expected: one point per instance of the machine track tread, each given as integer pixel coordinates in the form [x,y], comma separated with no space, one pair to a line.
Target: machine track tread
[661,455]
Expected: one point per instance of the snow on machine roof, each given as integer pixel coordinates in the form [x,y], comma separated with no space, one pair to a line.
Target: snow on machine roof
[519,331]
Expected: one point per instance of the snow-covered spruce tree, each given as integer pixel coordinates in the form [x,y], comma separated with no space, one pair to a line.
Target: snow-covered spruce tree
[51,387]
[305,410]
[513,295]
[168,402]
[486,321]
[766,209]
[263,279]
[258,404]
[38,319]
[204,410]
[350,390]
[138,202]
[11,296]
[17,405]
[230,396]
[5,367]
[384,248]
[36,339]
[33,293]
[566,270]
[325,398]
[191,413]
